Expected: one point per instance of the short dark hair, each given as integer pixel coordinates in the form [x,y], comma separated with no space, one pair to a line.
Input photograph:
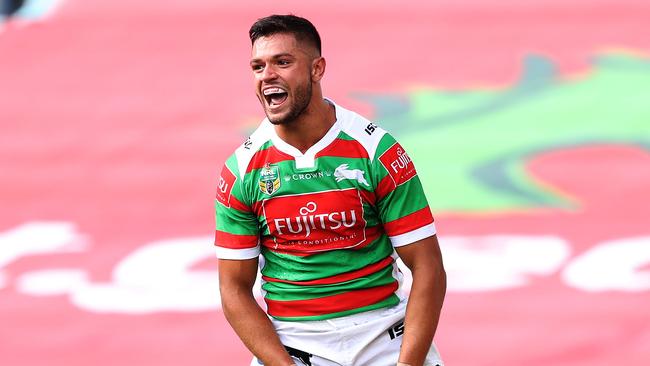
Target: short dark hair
[301,28]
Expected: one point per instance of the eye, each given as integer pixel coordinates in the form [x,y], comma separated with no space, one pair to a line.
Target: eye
[257,67]
[284,62]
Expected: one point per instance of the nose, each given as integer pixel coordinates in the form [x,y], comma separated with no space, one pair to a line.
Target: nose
[268,73]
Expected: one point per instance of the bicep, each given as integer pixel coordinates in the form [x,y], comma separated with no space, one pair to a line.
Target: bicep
[237,274]
[424,253]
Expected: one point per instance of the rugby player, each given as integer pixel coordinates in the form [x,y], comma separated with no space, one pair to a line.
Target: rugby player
[323,202]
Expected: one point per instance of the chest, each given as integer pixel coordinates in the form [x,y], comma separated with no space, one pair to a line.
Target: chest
[323,208]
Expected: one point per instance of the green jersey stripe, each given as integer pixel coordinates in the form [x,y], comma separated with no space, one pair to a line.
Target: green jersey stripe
[343,277]
[325,264]
[290,292]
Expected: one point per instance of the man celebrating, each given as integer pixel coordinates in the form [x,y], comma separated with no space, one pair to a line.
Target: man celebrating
[324,201]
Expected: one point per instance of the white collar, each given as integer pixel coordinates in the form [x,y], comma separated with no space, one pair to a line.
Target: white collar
[307,160]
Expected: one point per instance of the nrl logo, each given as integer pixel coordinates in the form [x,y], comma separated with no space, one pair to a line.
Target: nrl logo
[269,179]
[343,172]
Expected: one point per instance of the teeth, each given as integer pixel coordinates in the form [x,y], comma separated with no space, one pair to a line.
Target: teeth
[273,91]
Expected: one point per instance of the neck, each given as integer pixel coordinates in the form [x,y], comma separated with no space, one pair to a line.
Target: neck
[310,127]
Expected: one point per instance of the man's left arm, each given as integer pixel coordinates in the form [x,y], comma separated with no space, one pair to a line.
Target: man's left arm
[427,294]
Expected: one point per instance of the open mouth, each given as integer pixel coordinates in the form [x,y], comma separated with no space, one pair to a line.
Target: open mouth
[275,96]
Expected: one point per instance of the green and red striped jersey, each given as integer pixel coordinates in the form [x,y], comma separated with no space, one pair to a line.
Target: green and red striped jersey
[325,222]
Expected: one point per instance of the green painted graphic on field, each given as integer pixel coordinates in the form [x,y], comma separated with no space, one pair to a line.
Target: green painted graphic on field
[471,146]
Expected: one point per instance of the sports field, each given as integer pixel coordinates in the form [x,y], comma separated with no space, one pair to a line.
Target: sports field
[528,122]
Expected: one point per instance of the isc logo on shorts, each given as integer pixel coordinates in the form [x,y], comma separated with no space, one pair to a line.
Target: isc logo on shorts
[315,222]
[396,330]
[399,164]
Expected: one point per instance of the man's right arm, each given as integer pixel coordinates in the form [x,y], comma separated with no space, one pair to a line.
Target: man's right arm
[236,279]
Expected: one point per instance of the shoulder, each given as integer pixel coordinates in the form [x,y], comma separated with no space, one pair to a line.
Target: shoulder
[367,133]
[254,143]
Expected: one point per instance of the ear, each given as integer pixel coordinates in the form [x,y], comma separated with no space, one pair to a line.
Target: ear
[317,69]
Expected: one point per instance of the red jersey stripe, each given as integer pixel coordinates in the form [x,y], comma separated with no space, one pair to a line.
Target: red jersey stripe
[269,244]
[237,204]
[372,233]
[367,196]
[234,241]
[331,304]
[369,269]
[267,156]
[385,186]
[257,207]
[409,222]
[345,149]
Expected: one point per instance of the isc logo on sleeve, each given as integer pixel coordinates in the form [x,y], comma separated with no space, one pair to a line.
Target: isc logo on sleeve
[398,164]
[226,181]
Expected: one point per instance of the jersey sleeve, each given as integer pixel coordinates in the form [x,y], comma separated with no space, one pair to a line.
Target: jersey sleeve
[401,203]
[237,232]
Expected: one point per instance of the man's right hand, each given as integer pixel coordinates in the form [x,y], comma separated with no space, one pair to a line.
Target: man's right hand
[250,322]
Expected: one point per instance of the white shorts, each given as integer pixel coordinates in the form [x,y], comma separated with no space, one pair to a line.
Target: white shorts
[372,338]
